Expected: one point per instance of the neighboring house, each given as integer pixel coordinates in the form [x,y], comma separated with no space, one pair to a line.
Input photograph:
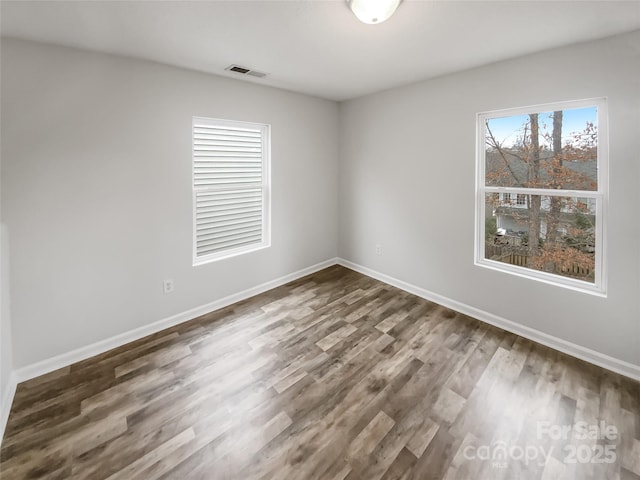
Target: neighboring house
[512,211]
[512,214]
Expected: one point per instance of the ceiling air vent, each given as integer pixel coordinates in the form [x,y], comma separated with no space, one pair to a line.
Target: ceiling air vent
[245,71]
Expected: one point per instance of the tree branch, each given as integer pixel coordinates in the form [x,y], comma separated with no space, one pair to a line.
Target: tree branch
[494,143]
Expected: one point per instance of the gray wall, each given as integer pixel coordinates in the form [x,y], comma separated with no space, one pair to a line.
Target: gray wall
[96,191]
[6,360]
[407,173]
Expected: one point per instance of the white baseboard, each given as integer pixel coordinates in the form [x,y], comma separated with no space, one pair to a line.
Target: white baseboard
[605,361]
[82,353]
[7,400]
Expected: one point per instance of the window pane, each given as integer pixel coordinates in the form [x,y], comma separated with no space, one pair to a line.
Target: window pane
[564,228]
[555,150]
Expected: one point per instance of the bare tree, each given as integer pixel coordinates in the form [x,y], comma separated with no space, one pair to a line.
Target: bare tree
[555,208]
[534,181]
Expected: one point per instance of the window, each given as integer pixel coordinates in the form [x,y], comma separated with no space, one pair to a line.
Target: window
[553,160]
[230,188]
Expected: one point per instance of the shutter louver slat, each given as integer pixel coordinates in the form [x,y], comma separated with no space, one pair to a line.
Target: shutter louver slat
[226,156]
[234,132]
[223,203]
[228,185]
[217,166]
[228,236]
[200,166]
[204,143]
[226,224]
[212,177]
[220,248]
[229,172]
[206,231]
[235,203]
[228,147]
[209,217]
[227,181]
[228,207]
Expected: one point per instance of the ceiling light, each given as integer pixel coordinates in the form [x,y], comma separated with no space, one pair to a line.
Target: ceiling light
[373,11]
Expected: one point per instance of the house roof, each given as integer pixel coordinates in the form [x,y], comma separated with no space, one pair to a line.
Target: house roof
[512,170]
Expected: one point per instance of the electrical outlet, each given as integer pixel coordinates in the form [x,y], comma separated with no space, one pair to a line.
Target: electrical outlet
[378,249]
[168,286]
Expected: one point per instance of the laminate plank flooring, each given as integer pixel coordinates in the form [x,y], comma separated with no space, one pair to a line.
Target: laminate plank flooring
[332,376]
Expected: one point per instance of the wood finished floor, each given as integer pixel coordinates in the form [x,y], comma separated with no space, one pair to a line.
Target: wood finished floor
[333,376]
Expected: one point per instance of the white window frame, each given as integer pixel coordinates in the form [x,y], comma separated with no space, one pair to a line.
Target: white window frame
[601,195]
[265,240]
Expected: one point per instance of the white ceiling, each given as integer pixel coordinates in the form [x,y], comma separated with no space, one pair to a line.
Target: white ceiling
[318,47]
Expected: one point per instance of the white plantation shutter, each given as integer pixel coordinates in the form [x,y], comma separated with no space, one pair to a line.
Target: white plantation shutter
[230,184]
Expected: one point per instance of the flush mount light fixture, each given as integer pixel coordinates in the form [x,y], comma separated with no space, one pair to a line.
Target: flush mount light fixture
[373,11]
